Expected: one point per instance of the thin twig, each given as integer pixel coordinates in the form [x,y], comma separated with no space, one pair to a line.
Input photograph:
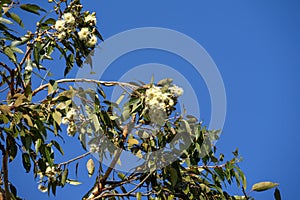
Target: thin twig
[124,194]
[6,67]
[74,159]
[5,174]
[244,192]
[83,80]
[98,189]
[26,56]
[208,166]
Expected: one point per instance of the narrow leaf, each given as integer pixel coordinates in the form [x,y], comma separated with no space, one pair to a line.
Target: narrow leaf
[262,186]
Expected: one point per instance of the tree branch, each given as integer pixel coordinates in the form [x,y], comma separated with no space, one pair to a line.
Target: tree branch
[83,80]
[74,159]
[11,82]
[124,194]
[26,56]
[99,187]
[5,174]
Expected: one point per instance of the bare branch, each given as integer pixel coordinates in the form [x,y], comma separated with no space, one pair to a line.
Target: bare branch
[26,56]
[74,159]
[129,193]
[5,174]
[83,80]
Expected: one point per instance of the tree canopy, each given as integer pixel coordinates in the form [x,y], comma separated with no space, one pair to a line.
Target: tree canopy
[175,152]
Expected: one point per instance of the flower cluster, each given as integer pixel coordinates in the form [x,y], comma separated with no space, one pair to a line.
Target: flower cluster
[87,36]
[90,19]
[161,99]
[51,173]
[70,120]
[67,25]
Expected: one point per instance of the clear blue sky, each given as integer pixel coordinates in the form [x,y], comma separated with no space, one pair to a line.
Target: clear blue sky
[256,46]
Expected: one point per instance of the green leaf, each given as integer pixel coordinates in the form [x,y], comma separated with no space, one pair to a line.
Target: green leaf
[96,123]
[52,86]
[32,8]
[28,119]
[132,141]
[64,176]
[13,189]
[138,195]
[57,117]
[262,186]
[277,194]
[16,49]
[173,176]
[36,55]
[70,63]
[15,17]
[13,149]
[20,41]
[9,53]
[121,176]
[57,146]
[73,182]
[38,143]
[48,157]
[90,166]
[26,162]
[50,21]
[5,21]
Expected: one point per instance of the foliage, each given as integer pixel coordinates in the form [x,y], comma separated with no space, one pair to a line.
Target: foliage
[143,120]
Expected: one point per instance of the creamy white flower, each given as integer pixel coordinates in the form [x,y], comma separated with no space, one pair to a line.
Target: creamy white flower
[68,17]
[64,120]
[61,35]
[171,102]
[175,90]
[92,41]
[90,19]
[59,25]
[84,33]
[71,113]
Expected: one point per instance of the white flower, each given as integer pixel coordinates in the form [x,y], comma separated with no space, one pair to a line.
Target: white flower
[171,102]
[71,130]
[68,17]
[90,19]
[84,33]
[61,36]
[65,120]
[92,41]
[71,114]
[175,90]
[59,25]
[153,92]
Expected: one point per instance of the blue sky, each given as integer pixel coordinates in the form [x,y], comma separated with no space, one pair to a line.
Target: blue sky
[255,45]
